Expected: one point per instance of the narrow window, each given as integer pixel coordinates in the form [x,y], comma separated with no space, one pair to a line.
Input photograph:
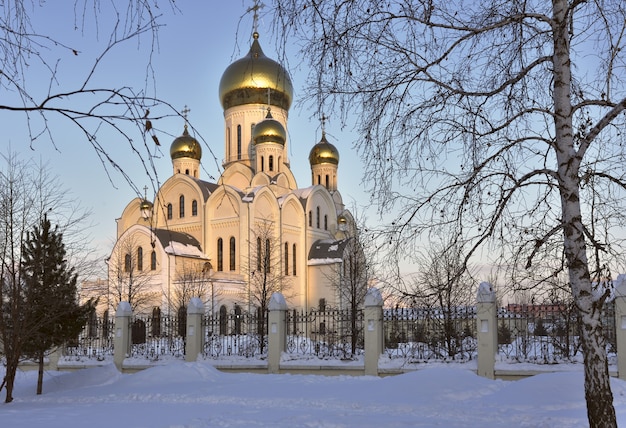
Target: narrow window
[317,218]
[220,255]
[169,211]
[322,305]
[238,142]
[232,253]
[293,255]
[319,179]
[271,163]
[127,263]
[267,256]
[228,148]
[153,260]
[194,208]
[286,259]
[262,164]
[187,171]
[310,219]
[327,181]
[181,206]
[140,259]
[258,255]
[325,222]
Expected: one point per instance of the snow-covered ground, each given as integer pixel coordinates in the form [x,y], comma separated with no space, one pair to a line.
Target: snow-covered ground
[182,394]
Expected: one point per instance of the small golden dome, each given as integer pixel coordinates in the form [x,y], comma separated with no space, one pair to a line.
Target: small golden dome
[185,146]
[342,219]
[145,205]
[324,152]
[269,131]
[247,80]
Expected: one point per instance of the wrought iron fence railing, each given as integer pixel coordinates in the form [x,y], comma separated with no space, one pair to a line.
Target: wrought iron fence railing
[235,333]
[328,333]
[95,341]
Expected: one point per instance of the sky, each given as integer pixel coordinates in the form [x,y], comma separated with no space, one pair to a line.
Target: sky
[195,45]
[196,395]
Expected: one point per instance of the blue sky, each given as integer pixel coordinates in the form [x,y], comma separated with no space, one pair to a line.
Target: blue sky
[195,46]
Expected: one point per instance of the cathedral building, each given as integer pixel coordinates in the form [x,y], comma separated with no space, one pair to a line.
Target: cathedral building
[235,241]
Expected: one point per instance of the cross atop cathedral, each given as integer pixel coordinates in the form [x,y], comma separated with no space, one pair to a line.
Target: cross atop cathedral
[323,120]
[255,16]
[185,111]
[145,193]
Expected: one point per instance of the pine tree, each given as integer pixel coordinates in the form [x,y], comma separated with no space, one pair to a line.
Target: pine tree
[51,308]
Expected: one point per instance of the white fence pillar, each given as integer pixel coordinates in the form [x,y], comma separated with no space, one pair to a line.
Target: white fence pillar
[373,335]
[277,334]
[193,345]
[487,327]
[620,324]
[122,334]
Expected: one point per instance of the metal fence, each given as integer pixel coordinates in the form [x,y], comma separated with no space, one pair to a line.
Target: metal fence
[235,333]
[158,336]
[327,333]
[423,334]
[550,337]
[95,341]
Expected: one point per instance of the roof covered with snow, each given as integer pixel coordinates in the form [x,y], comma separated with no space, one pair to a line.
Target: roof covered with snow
[179,243]
[327,251]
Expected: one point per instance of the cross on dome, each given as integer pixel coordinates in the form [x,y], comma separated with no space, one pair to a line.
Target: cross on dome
[255,17]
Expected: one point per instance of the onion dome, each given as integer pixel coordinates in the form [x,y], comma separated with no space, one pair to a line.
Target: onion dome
[323,152]
[247,80]
[145,205]
[341,219]
[269,131]
[185,146]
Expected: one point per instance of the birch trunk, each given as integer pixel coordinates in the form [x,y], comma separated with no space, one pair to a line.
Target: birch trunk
[600,410]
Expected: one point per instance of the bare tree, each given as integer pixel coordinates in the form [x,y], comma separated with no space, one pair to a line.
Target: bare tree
[130,280]
[31,56]
[266,276]
[195,279]
[28,193]
[501,118]
[444,284]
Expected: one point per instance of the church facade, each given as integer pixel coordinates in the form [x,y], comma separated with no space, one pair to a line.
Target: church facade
[235,241]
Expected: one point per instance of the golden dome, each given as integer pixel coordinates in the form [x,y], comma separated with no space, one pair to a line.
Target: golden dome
[145,205]
[185,146]
[323,152]
[269,130]
[247,80]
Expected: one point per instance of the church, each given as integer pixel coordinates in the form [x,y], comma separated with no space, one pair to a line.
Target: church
[253,231]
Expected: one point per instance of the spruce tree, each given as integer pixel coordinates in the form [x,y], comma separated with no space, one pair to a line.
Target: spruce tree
[52,311]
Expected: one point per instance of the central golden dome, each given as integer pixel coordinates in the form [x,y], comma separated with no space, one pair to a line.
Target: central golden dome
[324,152]
[185,146]
[247,80]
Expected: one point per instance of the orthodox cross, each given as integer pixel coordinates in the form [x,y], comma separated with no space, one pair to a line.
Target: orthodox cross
[185,111]
[255,17]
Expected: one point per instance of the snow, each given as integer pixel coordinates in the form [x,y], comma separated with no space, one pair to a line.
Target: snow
[181,249]
[197,395]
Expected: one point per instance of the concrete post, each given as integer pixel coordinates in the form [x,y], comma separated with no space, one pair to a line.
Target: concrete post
[122,338]
[487,327]
[620,324]
[53,359]
[193,345]
[373,317]
[277,334]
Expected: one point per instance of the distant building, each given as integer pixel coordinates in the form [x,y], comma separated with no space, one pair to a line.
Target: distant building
[220,238]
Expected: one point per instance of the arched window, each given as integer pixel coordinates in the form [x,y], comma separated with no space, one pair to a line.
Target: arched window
[228,148]
[286,259]
[319,179]
[127,263]
[271,163]
[232,253]
[325,222]
[327,181]
[140,259]
[153,260]
[181,206]
[293,255]
[187,171]
[220,255]
[259,256]
[238,319]
[317,219]
[194,208]
[310,219]
[169,211]
[238,142]
[262,163]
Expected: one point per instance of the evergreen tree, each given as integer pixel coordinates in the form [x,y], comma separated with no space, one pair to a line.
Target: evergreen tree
[51,308]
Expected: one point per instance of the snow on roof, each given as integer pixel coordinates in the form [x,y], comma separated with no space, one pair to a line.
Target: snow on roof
[327,251]
[179,243]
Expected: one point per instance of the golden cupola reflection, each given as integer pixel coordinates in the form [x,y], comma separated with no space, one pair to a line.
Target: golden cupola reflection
[269,130]
[185,146]
[247,80]
[324,152]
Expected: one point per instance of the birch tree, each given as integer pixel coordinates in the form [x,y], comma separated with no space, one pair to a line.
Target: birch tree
[501,118]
